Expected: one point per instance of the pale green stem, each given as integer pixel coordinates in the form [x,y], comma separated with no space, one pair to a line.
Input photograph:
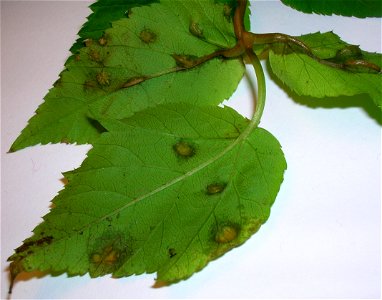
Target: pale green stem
[261,90]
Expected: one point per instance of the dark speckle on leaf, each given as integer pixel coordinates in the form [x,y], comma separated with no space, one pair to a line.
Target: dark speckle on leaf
[171,252]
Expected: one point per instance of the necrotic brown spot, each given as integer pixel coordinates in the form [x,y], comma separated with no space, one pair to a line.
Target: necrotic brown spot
[88,42]
[226,234]
[102,41]
[215,188]
[195,30]
[108,256]
[108,253]
[147,36]
[103,78]
[184,149]
[95,55]
[185,61]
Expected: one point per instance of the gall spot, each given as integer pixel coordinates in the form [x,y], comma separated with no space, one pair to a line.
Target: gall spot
[147,36]
[94,55]
[215,188]
[195,30]
[103,78]
[184,149]
[226,234]
[88,42]
[102,41]
[185,61]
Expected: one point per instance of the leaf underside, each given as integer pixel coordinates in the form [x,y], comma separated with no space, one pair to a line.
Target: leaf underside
[309,77]
[212,184]
[134,65]
[356,8]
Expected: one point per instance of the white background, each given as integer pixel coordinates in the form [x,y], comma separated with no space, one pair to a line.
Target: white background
[323,236]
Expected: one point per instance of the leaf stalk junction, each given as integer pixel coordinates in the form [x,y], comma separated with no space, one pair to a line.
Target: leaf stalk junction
[246,41]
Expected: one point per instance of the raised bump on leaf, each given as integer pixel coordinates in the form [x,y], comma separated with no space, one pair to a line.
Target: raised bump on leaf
[226,234]
[103,40]
[147,36]
[195,30]
[88,42]
[94,55]
[215,188]
[185,61]
[184,149]
[103,78]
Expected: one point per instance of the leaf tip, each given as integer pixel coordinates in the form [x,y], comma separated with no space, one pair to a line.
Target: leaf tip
[14,269]
[12,149]
[160,283]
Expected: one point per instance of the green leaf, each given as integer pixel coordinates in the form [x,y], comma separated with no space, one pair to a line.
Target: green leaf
[140,62]
[356,8]
[326,76]
[104,13]
[107,11]
[211,185]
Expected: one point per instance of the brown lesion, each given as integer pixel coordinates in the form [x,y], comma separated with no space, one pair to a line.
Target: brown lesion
[147,36]
[215,188]
[27,245]
[103,78]
[104,40]
[109,252]
[95,55]
[28,248]
[88,42]
[134,81]
[108,256]
[226,234]
[196,30]
[184,149]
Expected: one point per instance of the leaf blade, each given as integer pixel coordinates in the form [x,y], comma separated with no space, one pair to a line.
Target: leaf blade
[309,77]
[356,8]
[136,66]
[193,210]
